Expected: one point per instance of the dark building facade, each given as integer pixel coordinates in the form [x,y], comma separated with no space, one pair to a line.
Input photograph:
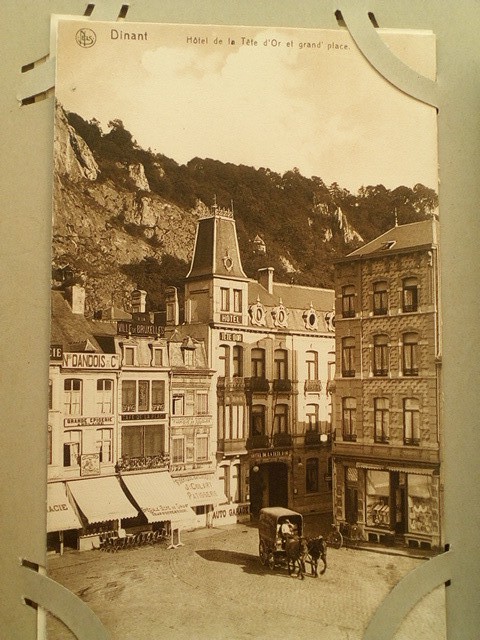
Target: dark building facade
[388,436]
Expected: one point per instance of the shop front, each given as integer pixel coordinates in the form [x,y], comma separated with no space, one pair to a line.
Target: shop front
[62,521]
[391,505]
[102,505]
[204,497]
[269,480]
[162,502]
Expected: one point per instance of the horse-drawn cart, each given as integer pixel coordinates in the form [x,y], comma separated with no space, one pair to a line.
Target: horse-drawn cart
[271,547]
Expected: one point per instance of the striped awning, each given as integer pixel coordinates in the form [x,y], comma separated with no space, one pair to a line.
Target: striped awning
[202,490]
[102,499]
[60,513]
[158,496]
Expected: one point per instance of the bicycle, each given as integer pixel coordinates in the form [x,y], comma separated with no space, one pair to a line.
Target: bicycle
[334,538]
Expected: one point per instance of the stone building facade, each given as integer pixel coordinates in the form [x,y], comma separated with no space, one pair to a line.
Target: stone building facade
[388,437]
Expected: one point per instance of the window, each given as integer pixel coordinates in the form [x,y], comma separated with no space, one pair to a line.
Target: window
[50,394]
[410,295]
[258,363]
[188,357]
[237,361]
[157,357]
[380,298]
[178,449]
[349,409]
[224,357]
[312,417]
[280,420]
[224,299]
[410,354]
[129,393]
[348,357]
[104,445]
[312,365]
[311,475]
[140,441]
[281,364]
[178,404]
[73,396]
[201,448]
[202,403]
[380,355]
[158,395]
[143,395]
[381,419]
[72,448]
[105,396]
[258,420]
[411,421]
[348,301]
[129,356]
[378,498]
[237,300]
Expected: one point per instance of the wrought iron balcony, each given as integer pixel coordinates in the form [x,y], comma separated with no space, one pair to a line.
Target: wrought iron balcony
[127,463]
[349,437]
[231,384]
[313,385]
[258,442]
[282,440]
[258,384]
[412,441]
[282,386]
[278,440]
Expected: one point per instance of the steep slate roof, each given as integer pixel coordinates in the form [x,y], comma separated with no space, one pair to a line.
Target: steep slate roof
[405,236]
[69,329]
[296,299]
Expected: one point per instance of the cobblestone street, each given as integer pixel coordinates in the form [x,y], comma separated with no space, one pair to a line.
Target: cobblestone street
[215,588]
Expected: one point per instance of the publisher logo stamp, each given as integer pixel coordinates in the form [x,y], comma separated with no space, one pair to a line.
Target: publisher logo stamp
[86,38]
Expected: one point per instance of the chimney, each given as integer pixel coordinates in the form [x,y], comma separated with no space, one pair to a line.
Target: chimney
[76,298]
[171,303]
[265,278]
[138,300]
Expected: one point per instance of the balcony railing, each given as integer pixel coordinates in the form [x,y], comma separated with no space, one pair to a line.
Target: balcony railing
[278,440]
[282,386]
[313,385]
[237,447]
[412,441]
[380,372]
[410,372]
[348,373]
[382,439]
[258,384]
[126,463]
[231,384]
[349,437]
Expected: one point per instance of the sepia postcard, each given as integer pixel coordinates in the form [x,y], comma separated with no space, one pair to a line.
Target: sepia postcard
[245,435]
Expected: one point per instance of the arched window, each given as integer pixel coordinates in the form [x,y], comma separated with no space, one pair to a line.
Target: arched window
[380,298]
[410,295]
[257,420]
[349,410]
[348,301]
[280,421]
[312,365]
[348,357]
[380,355]
[258,363]
[281,364]
[410,354]
[312,417]
[381,419]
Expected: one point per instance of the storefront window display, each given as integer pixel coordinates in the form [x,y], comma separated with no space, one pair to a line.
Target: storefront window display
[378,498]
[420,518]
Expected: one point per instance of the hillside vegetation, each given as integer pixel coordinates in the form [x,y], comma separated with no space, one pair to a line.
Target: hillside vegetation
[130,219]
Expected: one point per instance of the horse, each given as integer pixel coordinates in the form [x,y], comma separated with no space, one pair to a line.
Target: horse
[295,550]
[316,549]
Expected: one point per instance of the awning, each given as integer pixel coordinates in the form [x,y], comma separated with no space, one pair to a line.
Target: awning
[158,496]
[102,499]
[201,490]
[60,513]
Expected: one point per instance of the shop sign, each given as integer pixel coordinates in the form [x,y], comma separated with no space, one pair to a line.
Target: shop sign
[147,329]
[274,453]
[57,507]
[231,318]
[56,352]
[226,513]
[90,464]
[94,421]
[227,336]
[189,421]
[90,361]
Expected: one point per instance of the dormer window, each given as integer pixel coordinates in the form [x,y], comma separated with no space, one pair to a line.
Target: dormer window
[188,351]
[128,356]
[157,357]
[388,245]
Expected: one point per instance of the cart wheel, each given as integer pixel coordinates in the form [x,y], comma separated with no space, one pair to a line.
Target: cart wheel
[263,553]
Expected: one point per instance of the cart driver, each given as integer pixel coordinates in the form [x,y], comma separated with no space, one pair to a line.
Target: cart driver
[286,530]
